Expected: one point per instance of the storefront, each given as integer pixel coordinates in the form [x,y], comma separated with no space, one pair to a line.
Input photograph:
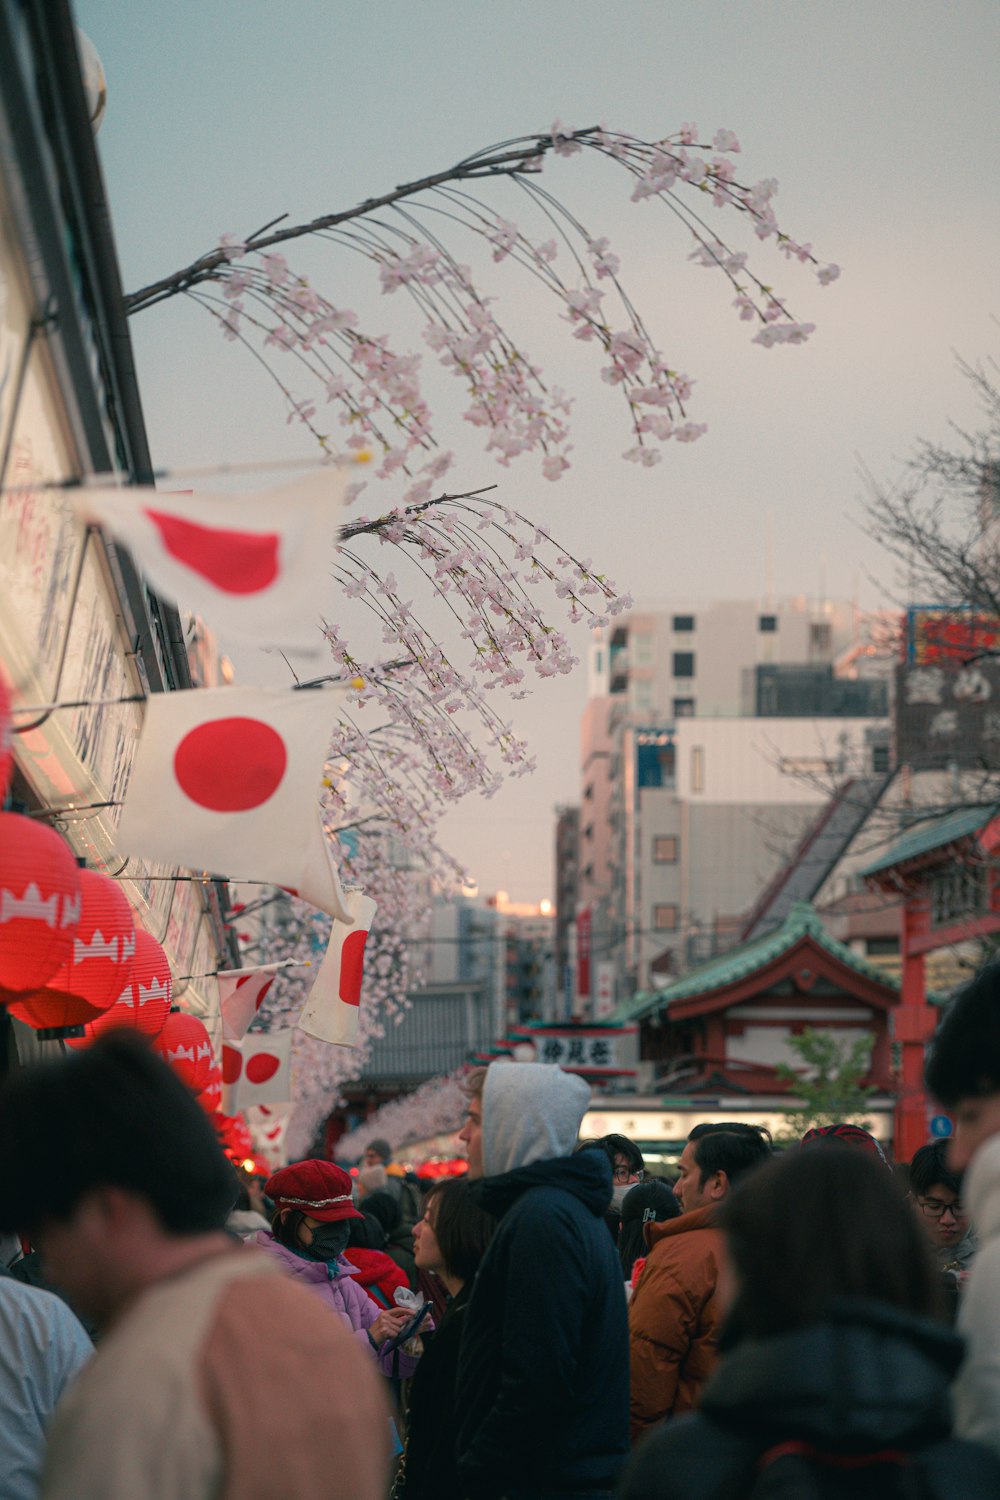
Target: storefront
[76,623]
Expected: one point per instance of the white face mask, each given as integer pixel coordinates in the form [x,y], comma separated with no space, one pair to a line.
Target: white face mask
[618,1194]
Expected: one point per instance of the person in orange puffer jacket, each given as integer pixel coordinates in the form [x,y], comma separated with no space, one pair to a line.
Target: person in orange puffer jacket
[673,1313]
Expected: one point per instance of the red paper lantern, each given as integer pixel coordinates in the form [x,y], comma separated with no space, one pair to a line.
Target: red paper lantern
[6,737]
[211,1095]
[103,946]
[39,904]
[187,1047]
[144,1003]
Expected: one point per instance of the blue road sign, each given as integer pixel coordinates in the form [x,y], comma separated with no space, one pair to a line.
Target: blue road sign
[941,1127]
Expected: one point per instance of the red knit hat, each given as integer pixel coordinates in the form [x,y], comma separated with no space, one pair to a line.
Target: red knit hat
[316,1188]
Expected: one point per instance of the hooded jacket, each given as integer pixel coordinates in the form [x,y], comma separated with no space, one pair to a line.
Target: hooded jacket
[378,1273]
[866,1379]
[977,1389]
[673,1318]
[543,1367]
[340,1292]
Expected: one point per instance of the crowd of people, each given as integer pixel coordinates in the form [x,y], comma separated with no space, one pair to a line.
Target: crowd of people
[809,1321]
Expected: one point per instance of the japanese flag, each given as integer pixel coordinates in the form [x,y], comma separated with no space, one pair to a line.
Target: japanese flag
[269,1126]
[256,566]
[331,1012]
[242,992]
[228,780]
[257,1070]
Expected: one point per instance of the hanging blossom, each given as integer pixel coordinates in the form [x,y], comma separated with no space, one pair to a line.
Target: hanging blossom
[374,389]
[435,1108]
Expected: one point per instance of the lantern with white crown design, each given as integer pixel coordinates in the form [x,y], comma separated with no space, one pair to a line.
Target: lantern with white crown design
[39,904]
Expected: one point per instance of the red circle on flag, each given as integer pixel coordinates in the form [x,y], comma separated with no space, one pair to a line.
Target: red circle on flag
[262,1066]
[352,958]
[236,562]
[232,1064]
[231,765]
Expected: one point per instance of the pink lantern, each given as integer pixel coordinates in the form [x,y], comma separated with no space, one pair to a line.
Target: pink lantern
[39,904]
[187,1047]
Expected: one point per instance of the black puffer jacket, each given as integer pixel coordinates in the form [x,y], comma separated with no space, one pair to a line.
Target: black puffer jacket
[543,1370]
[867,1379]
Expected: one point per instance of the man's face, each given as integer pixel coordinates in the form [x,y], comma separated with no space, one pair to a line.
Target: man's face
[940,1212]
[78,1256]
[371,1158]
[689,1189]
[977,1117]
[471,1135]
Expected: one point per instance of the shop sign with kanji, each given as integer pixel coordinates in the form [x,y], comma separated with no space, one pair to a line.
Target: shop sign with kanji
[588,1050]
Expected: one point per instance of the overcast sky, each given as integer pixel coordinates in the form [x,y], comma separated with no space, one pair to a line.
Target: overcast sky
[880,121]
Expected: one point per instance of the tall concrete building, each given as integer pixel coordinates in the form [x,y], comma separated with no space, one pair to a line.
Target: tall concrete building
[712,735]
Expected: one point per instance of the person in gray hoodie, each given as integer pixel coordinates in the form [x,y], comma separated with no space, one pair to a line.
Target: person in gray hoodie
[543,1368]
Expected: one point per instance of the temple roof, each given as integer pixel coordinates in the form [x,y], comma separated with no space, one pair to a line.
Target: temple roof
[933,833]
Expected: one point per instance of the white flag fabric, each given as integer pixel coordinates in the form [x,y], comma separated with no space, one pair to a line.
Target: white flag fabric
[242,992]
[257,1070]
[331,1013]
[256,566]
[269,1127]
[228,780]
[320,883]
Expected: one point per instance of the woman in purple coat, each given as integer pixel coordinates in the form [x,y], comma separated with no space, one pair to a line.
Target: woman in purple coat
[312,1211]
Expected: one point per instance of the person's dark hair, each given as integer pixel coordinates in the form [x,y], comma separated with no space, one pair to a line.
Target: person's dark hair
[964,1057]
[930,1167]
[381,1148]
[732,1127]
[366,1233]
[383,1207]
[285,1227]
[242,1192]
[731,1151]
[462,1229]
[811,1227]
[616,1145]
[647,1202]
[112,1115]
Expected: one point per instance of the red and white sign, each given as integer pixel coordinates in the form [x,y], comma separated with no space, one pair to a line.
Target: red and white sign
[242,992]
[256,566]
[228,780]
[257,1070]
[331,1012]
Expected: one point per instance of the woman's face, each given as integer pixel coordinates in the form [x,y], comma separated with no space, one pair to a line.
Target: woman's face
[304,1233]
[426,1251]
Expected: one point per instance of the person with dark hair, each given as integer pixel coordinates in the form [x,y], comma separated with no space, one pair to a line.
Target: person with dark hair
[449,1243]
[935,1191]
[384,1208]
[109,1163]
[313,1207]
[646,1203]
[374,1270]
[963,1072]
[543,1369]
[674,1313]
[845,1134]
[627,1168]
[835,1362]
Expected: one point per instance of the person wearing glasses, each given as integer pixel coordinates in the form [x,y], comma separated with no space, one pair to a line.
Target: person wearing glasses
[935,1192]
[627,1168]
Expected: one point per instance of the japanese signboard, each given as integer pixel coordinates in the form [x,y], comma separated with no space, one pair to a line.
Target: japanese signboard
[950,634]
[604,1049]
[948,713]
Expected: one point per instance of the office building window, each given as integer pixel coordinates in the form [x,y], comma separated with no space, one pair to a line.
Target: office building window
[767,624]
[697,768]
[683,663]
[683,624]
[665,850]
[880,759]
[665,918]
[683,708]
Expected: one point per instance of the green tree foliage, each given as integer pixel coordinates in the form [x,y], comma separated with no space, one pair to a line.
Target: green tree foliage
[828,1080]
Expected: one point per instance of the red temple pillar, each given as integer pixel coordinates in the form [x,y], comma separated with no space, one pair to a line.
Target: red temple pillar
[914,1024]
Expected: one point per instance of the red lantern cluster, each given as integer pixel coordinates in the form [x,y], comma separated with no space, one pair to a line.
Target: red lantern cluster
[144,1003]
[98,967]
[187,1047]
[234,1136]
[40,904]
